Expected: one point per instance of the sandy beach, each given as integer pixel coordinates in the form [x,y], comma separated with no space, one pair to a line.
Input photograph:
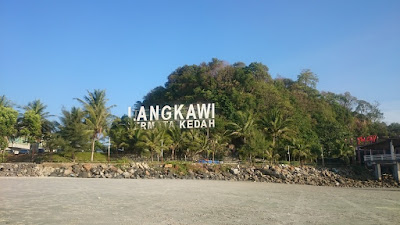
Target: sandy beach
[119,201]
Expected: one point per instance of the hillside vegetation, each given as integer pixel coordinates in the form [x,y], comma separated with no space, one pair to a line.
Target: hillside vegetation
[257,118]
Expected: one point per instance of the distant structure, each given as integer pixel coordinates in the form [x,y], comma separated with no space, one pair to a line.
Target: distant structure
[382,153]
[18,143]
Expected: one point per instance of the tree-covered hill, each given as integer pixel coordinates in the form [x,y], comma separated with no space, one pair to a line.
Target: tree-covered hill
[282,112]
[257,117]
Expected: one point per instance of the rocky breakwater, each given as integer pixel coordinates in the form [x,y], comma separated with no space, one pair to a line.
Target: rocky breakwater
[343,177]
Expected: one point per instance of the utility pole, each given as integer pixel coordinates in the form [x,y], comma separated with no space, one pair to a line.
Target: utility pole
[322,156]
[109,146]
[162,150]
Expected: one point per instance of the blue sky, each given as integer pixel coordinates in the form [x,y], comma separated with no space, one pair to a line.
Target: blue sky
[57,50]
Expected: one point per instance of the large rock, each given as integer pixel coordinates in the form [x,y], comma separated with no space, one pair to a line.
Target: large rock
[67,171]
[84,174]
[126,175]
[146,166]
[235,171]
[87,167]
[76,168]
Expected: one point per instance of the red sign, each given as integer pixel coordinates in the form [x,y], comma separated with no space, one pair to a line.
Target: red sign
[367,140]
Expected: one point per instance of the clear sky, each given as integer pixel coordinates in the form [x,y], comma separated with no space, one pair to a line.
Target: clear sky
[57,50]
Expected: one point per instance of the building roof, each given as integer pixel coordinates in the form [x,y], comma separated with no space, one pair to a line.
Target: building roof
[382,144]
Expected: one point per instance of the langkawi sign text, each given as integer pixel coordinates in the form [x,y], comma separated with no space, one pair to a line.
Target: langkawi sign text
[185,116]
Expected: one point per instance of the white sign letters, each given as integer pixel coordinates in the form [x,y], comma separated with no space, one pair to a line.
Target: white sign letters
[191,116]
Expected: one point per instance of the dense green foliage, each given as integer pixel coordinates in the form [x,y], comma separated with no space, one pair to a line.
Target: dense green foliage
[8,121]
[257,117]
[97,114]
[266,116]
[73,131]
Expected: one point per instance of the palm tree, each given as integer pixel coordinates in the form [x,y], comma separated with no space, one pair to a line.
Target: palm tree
[98,115]
[244,127]
[301,150]
[277,127]
[195,142]
[156,140]
[40,109]
[73,130]
[258,144]
[344,151]
[149,141]
[218,143]
[37,108]
[125,133]
[118,134]
[176,139]
[133,132]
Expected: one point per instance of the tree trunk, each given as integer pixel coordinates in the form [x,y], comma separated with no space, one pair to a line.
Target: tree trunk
[273,141]
[91,157]
[34,148]
[4,150]
[73,155]
[263,158]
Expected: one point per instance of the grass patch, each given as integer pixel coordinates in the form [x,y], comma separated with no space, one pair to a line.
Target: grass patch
[56,158]
[181,168]
[123,160]
[85,157]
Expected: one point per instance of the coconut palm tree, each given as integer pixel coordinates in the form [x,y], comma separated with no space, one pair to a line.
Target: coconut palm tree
[277,127]
[118,134]
[156,140]
[40,109]
[176,136]
[195,141]
[36,109]
[133,131]
[218,143]
[344,151]
[98,115]
[301,150]
[243,127]
[72,129]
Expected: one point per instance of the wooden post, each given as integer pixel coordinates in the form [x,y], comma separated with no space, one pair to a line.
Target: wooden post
[378,174]
[108,152]
[396,172]
[392,150]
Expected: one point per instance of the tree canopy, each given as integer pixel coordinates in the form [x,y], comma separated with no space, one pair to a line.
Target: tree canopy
[257,116]
[288,112]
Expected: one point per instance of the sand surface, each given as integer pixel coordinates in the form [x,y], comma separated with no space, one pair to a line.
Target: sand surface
[118,201]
